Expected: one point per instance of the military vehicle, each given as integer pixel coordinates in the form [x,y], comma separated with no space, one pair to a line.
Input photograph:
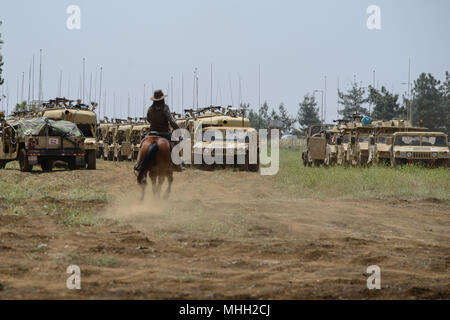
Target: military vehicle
[226,121]
[430,148]
[379,150]
[138,132]
[358,148]
[109,142]
[317,138]
[102,131]
[122,145]
[41,141]
[342,141]
[82,115]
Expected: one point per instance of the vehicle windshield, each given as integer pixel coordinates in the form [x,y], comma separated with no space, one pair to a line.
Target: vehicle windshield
[363,139]
[437,141]
[86,129]
[346,139]
[407,141]
[382,139]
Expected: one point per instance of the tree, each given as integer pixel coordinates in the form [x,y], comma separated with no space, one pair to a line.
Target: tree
[352,101]
[1,61]
[287,120]
[430,103]
[20,107]
[1,64]
[274,115]
[308,113]
[445,91]
[385,104]
[260,119]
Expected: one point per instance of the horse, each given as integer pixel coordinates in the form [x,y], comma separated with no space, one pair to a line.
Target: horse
[157,164]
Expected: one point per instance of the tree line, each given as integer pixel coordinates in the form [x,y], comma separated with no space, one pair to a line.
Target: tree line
[429,102]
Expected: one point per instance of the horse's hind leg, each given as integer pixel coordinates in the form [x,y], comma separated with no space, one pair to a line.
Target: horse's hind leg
[154,186]
[161,179]
[143,185]
[169,187]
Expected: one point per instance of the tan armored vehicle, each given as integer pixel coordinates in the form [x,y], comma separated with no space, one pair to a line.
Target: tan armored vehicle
[138,132]
[429,148]
[122,145]
[42,141]
[229,121]
[342,142]
[82,115]
[358,148]
[316,145]
[109,142]
[102,131]
[379,150]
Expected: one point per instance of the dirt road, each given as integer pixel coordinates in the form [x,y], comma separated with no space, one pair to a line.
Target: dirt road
[223,234]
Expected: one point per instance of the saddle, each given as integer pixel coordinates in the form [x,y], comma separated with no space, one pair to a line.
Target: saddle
[165,135]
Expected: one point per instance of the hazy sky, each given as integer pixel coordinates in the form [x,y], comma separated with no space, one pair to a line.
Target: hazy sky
[297,43]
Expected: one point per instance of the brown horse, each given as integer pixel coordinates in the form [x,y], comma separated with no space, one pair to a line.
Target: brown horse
[156,162]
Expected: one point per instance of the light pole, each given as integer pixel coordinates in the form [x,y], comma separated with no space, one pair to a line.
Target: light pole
[321,112]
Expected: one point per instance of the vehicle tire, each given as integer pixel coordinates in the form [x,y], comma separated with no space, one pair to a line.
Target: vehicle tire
[47,165]
[2,164]
[23,161]
[91,160]
[393,162]
[71,163]
[119,156]
[110,156]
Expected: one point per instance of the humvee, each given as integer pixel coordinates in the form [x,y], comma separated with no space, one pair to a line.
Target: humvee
[379,150]
[102,131]
[41,141]
[358,148]
[138,132]
[316,145]
[82,115]
[122,145]
[429,148]
[109,142]
[229,121]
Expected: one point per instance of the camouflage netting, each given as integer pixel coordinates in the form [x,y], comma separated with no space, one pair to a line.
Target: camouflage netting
[36,127]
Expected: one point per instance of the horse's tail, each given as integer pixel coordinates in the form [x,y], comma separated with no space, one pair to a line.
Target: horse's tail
[147,162]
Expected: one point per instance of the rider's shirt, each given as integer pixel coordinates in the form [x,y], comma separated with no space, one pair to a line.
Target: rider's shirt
[159,117]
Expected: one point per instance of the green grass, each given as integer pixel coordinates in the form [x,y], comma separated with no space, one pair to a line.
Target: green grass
[406,182]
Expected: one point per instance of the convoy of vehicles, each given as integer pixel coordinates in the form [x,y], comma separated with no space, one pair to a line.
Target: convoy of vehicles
[356,143]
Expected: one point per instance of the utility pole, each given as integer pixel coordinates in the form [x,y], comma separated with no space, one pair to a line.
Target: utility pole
[100,95]
[325,101]
[40,76]
[409,91]
[182,93]
[83,84]
[259,86]
[211,85]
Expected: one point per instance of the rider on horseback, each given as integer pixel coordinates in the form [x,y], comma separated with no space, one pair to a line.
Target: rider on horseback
[159,117]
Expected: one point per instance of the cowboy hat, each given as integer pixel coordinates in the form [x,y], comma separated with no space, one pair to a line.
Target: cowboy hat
[158,95]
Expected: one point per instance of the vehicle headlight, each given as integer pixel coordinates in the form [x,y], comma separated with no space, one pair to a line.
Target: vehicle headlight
[434,154]
[409,154]
[402,154]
